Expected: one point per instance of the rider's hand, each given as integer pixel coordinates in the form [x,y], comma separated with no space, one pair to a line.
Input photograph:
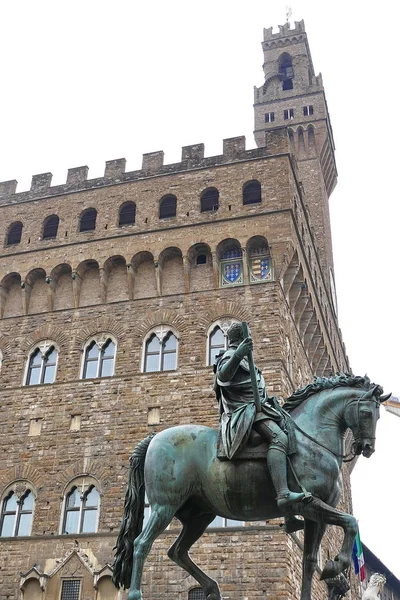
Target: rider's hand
[244,348]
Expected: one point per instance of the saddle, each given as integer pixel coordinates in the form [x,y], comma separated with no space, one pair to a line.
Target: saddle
[255,448]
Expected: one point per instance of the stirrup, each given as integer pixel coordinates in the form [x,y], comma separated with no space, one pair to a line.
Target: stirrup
[288,498]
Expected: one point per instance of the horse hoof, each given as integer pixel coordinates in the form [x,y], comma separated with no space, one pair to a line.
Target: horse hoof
[331,569]
[293,524]
[135,596]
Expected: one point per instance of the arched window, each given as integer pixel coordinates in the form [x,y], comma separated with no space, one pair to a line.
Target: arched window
[99,360]
[286,71]
[42,365]
[81,508]
[50,227]
[231,266]
[160,351]
[88,220]
[127,214]
[14,233]
[209,200]
[252,192]
[217,339]
[196,594]
[168,207]
[217,342]
[17,514]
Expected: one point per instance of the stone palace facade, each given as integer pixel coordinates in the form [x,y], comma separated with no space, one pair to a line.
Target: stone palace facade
[115,296]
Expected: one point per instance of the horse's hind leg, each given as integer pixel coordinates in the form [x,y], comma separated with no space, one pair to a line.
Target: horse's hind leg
[193,527]
[313,532]
[160,518]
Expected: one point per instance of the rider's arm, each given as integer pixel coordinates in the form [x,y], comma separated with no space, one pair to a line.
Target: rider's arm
[228,368]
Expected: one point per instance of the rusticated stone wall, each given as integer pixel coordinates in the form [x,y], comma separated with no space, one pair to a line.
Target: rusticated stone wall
[123,281]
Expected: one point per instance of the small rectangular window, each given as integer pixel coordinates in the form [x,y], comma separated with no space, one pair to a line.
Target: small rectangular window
[35,427]
[75,424]
[153,416]
[288,114]
[70,589]
[269,117]
[308,110]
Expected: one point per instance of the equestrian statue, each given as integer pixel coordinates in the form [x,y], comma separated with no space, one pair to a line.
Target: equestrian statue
[195,473]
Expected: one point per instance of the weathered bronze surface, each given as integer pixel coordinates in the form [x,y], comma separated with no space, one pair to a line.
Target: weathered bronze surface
[183,477]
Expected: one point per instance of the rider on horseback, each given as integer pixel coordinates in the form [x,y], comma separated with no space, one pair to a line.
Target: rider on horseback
[239,415]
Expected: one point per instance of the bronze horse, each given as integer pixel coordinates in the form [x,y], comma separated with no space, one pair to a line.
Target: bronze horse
[183,478]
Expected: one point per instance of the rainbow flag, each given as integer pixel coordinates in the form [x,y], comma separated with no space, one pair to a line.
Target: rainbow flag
[358,557]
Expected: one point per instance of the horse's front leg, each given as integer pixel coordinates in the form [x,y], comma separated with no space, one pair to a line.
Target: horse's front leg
[318,511]
[313,532]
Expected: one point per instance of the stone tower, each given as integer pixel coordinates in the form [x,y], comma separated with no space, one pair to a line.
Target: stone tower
[293,96]
[116,294]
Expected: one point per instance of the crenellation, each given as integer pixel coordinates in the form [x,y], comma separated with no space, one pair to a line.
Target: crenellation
[77,175]
[8,188]
[115,168]
[153,161]
[284,30]
[234,148]
[41,182]
[193,154]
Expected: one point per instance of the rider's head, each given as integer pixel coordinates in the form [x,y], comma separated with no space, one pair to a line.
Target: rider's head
[235,333]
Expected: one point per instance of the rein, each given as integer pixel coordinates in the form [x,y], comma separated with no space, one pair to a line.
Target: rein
[352,452]
[307,435]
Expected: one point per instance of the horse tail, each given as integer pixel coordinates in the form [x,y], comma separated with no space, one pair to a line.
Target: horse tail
[132,519]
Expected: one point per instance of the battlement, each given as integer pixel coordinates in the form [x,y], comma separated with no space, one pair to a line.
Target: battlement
[284,30]
[234,150]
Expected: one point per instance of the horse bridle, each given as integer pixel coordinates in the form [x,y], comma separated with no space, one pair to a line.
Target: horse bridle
[353,452]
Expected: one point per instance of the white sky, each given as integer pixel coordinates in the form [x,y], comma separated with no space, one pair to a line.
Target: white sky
[85,82]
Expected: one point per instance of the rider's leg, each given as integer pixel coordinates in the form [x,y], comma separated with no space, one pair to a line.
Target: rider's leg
[277,463]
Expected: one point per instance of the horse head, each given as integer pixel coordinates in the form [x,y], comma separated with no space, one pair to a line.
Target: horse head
[361,416]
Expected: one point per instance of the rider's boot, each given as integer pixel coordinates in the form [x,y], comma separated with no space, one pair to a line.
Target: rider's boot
[277,464]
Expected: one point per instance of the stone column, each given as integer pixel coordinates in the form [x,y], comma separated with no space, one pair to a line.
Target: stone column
[130,279]
[215,267]
[76,287]
[158,276]
[103,284]
[186,273]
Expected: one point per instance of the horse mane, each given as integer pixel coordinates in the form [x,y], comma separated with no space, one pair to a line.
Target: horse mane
[325,383]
